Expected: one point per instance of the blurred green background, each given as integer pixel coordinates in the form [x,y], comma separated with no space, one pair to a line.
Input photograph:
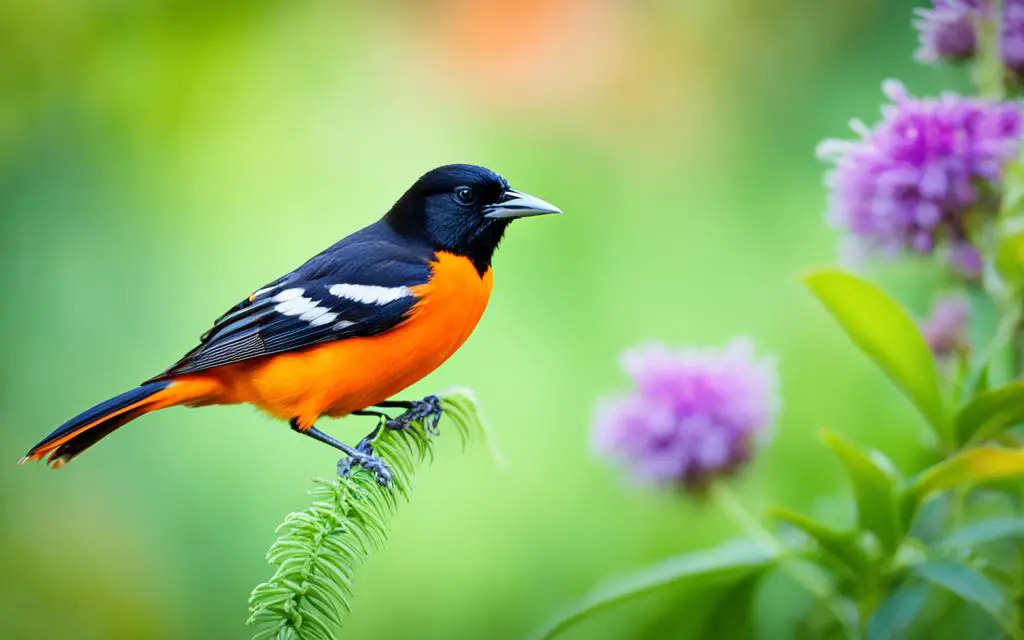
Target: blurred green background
[159,160]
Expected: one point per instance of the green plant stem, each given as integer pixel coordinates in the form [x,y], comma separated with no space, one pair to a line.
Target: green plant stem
[319,547]
[726,499]
[989,72]
[1017,349]
[1016,369]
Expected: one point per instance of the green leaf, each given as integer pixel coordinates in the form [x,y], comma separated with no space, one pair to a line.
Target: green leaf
[979,378]
[967,467]
[895,615]
[732,616]
[887,333]
[876,487]
[735,559]
[984,531]
[840,545]
[969,585]
[990,413]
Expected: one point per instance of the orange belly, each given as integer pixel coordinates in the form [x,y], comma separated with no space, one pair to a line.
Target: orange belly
[339,377]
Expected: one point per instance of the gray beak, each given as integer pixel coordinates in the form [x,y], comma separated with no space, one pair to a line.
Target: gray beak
[515,204]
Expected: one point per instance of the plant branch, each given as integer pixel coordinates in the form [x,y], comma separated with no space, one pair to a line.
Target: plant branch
[318,548]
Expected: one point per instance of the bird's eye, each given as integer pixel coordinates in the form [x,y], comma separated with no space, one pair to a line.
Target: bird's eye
[464,196]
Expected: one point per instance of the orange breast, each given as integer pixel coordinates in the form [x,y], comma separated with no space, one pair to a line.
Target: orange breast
[340,377]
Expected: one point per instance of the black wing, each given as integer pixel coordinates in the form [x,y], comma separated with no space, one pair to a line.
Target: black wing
[359,287]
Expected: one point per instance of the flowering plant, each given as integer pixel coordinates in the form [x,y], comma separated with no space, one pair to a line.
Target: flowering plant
[936,550]
[694,415]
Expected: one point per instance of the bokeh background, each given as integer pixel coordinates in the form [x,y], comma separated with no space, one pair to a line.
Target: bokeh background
[160,159]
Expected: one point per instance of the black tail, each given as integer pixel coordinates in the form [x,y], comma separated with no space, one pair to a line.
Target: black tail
[86,429]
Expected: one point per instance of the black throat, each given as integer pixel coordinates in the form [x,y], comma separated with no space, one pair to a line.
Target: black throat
[474,239]
[480,249]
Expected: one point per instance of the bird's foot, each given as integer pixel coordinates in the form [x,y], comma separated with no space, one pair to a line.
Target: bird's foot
[427,411]
[363,456]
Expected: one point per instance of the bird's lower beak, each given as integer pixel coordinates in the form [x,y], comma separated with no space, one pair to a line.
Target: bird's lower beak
[515,204]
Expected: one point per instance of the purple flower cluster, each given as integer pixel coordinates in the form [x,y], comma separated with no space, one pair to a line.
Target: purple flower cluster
[694,413]
[920,179]
[945,329]
[949,31]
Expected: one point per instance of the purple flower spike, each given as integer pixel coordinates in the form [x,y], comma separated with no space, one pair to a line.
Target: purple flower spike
[945,329]
[694,414]
[1013,36]
[922,177]
[949,31]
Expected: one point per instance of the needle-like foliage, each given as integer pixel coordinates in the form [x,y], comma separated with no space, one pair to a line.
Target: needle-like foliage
[318,548]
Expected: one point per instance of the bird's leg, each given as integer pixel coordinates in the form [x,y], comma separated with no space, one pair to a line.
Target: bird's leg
[366,444]
[365,459]
[427,411]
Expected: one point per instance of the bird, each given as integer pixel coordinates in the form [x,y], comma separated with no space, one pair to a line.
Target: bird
[345,332]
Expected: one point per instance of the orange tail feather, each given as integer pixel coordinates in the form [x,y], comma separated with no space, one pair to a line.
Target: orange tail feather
[86,429]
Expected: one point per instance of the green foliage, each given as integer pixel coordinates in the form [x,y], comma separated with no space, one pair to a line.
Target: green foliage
[841,545]
[732,616]
[968,584]
[733,562]
[964,468]
[984,532]
[318,548]
[876,487]
[886,332]
[897,613]
[990,413]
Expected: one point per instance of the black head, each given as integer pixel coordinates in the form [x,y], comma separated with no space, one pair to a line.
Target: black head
[464,209]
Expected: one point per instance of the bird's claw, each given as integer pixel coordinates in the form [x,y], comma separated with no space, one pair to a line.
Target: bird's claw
[368,461]
[427,412]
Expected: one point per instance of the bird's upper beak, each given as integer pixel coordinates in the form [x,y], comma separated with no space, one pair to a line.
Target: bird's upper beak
[515,204]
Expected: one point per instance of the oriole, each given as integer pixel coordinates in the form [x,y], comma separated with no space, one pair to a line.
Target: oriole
[353,326]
